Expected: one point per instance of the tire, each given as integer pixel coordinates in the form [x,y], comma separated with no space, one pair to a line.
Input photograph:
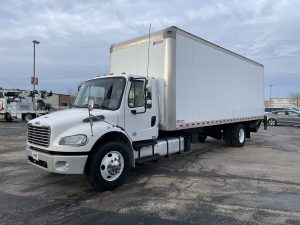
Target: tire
[187,144]
[28,117]
[272,122]
[8,117]
[108,166]
[238,135]
[227,135]
[202,138]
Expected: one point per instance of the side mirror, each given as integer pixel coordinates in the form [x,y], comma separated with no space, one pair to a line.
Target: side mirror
[91,105]
[149,103]
[148,86]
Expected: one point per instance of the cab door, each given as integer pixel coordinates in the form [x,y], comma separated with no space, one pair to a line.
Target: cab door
[141,110]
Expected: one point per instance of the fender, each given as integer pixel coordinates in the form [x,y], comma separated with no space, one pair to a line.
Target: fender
[115,133]
[103,133]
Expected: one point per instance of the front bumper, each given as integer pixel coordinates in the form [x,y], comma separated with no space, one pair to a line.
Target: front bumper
[64,164]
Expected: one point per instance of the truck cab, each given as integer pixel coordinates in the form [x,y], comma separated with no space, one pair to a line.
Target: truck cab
[125,111]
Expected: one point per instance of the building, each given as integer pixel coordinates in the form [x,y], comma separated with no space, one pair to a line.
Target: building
[281,102]
[60,101]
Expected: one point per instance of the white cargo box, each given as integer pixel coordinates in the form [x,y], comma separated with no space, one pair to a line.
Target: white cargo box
[200,83]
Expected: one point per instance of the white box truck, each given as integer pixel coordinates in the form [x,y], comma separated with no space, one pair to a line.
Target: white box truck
[153,104]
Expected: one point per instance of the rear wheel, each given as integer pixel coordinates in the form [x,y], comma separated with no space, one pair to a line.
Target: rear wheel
[238,135]
[202,138]
[109,166]
[272,122]
[227,135]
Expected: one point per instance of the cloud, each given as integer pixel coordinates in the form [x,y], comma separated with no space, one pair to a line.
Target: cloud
[76,35]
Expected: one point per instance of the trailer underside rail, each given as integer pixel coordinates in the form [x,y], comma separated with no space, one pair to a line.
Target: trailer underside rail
[183,125]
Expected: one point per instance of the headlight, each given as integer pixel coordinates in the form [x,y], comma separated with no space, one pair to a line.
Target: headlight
[75,140]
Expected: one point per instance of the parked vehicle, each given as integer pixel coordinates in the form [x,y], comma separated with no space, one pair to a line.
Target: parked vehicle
[295,108]
[194,89]
[20,104]
[283,117]
[271,109]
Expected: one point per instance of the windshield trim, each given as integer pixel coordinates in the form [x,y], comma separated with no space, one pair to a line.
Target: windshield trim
[121,99]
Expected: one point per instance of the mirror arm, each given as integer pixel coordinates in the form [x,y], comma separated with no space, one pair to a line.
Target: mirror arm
[90,108]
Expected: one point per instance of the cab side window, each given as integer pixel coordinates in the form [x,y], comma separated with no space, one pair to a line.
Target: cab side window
[136,97]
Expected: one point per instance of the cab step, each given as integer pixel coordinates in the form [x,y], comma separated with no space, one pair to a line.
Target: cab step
[141,144]
[148,159]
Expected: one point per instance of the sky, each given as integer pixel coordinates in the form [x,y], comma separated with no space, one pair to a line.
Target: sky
[75,36]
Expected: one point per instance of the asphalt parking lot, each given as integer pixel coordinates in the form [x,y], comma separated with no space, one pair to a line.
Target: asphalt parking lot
[212,184]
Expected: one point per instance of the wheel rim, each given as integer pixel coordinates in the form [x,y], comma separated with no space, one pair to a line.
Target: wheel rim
[272,122]
[28,117]
[241,135]
[112,166]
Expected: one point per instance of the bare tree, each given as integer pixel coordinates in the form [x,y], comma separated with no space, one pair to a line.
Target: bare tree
[295,98]
[69,92]
[72,92]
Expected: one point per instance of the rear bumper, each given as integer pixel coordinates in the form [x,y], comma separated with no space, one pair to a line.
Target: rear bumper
[64,164]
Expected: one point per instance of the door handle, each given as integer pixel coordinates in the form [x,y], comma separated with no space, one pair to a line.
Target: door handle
[153,121]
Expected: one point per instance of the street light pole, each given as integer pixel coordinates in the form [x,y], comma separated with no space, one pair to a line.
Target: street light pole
[271,85]
[34,79]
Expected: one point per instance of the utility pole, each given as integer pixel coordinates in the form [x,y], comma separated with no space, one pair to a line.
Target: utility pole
[34,79]
[271,85]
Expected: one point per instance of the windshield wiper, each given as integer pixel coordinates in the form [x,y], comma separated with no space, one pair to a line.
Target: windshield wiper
[77,106]
[104,107]
[96,106]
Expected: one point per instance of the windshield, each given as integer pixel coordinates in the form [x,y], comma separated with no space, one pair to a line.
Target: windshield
[106,92]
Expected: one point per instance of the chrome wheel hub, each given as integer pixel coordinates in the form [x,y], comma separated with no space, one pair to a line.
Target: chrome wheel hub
[241,135]
[271,122]
[112,165]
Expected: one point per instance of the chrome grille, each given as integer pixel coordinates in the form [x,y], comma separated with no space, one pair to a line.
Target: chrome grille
[38,135]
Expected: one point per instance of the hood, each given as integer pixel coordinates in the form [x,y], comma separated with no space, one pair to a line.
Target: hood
[69,118]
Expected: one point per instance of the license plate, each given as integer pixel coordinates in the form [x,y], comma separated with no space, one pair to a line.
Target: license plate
[35,156]
[19,116]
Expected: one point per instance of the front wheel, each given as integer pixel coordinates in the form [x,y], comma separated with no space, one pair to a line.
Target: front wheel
[28,117]
[272,122]
[8,117]
[109,166]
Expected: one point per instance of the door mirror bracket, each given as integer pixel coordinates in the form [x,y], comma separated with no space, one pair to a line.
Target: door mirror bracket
[91,105]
